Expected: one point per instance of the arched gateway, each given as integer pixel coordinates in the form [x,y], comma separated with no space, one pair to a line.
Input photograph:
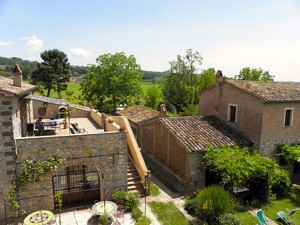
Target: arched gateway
[78,183]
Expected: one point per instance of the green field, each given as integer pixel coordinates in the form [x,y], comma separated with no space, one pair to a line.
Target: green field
[74,89]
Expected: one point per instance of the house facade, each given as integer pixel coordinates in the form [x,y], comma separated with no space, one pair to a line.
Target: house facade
[266,112]
[174,146]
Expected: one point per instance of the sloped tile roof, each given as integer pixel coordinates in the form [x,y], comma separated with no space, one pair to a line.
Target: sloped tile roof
[197,132]
[6,85]
[138,113]
[270,91]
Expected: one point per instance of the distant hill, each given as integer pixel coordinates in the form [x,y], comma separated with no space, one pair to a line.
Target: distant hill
[7,65]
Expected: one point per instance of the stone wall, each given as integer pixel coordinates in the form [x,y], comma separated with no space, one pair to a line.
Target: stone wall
[7,148]
[52,110]
[105,152]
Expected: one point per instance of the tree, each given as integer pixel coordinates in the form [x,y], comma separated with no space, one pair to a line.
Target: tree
[53,72]
[207,79]
[153,97]
[235,166]
[116,79]
[254,74]
[180,86]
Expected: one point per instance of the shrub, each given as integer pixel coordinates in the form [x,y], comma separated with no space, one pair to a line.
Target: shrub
[137,213]
[228,219]
[190,206]
[103,219]
[143,221]
[132,201]
[119,196]
[211,203]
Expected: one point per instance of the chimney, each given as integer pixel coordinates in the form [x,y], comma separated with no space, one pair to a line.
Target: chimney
[163,110]
[219,77]
[219,81]
[17,76]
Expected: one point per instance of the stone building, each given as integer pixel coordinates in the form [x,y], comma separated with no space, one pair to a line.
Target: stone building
[266,112]
[96,162]
[174,146]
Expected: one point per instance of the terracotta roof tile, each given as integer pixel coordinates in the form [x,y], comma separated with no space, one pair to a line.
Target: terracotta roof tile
[138,113]
[198,132]
[6,85]
[270,91]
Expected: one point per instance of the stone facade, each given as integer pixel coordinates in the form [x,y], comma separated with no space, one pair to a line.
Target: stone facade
[260,120]
[52,110]
[105,152]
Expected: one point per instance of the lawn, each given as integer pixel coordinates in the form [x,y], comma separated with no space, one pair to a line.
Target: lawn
[168,214]
[74,89]
[154,190]
[291,202]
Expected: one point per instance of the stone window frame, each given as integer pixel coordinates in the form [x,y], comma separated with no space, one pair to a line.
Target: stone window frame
[229,113]
[290,122]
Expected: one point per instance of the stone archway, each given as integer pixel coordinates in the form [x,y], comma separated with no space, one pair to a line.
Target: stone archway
[78,183]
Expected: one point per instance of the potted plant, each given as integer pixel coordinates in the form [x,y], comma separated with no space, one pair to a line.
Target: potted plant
[67,117]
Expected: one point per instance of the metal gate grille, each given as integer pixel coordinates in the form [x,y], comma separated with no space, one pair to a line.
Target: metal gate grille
[77,184]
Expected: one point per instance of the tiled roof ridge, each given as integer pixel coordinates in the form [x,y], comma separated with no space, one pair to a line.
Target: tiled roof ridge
[195,133]
[270,91]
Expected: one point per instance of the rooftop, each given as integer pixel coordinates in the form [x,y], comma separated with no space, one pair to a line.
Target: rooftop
[138,113]
[270,91]
[198,132]
[6,85]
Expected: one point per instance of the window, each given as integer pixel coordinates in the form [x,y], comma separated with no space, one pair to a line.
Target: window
[288,117]
[232,113]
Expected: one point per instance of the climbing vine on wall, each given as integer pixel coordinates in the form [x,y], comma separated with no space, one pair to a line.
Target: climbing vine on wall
[31,171]
[289,152]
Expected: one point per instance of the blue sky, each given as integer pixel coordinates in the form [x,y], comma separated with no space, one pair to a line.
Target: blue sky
[229,34]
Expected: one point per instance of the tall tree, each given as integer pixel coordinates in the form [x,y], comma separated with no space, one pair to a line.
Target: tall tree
[259,74]
[207,79]
[53,72]
[180,86]
[116,79]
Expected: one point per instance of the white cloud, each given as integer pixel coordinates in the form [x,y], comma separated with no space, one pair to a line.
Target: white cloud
[34,44]
[6,43]
[80,53]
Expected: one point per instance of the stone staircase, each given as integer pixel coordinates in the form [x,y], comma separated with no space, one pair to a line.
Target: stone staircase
[133,179]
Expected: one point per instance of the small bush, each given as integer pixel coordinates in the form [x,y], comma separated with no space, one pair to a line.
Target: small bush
[190,206]
[132,201]
[103,219]
[143,221]
[211,203]
[137,213]
[228,219]
[120,196]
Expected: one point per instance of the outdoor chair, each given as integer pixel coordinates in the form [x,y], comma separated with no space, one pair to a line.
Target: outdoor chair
[74,127]
[262,219]
[287,217]
[72,131]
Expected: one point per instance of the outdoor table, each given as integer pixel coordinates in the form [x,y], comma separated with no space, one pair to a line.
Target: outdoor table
[41,217]
[102,208]
[240,190]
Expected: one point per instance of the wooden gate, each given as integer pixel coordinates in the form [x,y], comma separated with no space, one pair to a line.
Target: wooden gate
[78,185]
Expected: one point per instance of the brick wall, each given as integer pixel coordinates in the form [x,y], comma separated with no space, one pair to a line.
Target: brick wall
[164,153]
[249,109]
[105,151]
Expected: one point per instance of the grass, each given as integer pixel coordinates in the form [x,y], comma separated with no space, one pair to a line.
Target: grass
[291,202]
[168,214]
[154,190]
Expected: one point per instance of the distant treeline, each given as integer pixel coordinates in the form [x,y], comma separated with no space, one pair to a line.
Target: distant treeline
[7,66]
